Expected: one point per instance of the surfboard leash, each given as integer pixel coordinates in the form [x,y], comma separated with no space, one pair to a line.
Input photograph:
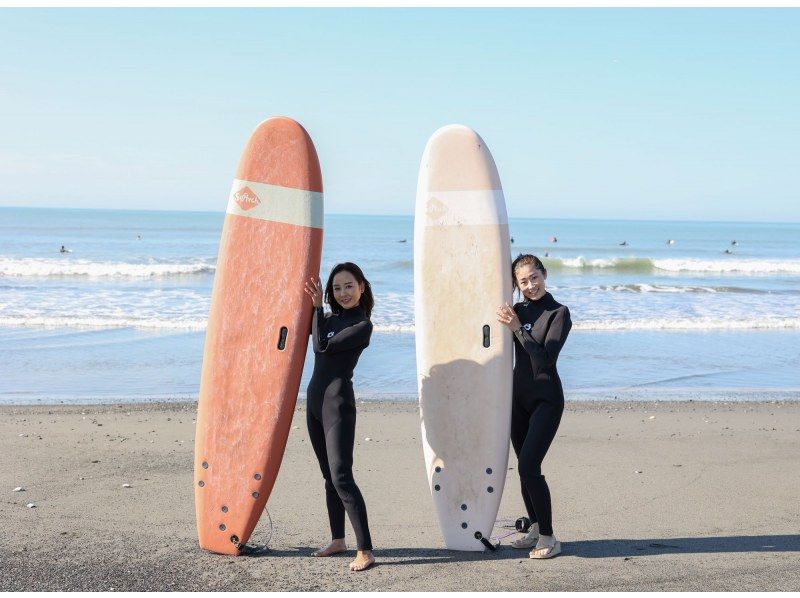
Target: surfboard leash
[518,526]
[486,541]
[253,548]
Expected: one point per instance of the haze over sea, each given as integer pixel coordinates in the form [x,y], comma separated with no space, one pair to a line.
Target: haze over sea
[122,316]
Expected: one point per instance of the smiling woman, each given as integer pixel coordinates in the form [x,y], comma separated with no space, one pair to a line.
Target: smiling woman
[540,325]
[339,339]
[347,287]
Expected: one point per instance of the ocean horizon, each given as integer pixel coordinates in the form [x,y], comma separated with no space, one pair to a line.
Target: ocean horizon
[221,211]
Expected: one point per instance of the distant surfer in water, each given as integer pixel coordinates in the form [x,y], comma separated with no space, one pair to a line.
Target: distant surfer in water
[339,338]
[65,250]
[540,325]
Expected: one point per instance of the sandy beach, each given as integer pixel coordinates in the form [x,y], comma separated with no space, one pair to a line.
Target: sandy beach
[647,496]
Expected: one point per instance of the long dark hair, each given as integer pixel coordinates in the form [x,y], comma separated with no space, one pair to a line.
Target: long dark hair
[525,259]
[367,301]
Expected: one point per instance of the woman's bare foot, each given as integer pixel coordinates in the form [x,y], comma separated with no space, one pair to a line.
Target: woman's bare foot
[335,547]
[364,560]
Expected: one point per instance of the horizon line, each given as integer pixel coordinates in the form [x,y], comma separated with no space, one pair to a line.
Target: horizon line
[411,215]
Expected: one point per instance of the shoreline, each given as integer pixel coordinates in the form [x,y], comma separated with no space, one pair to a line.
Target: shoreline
[611,397]
[646,496]
[380,403]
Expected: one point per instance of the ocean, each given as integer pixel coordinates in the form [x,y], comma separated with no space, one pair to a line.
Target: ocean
[121,316]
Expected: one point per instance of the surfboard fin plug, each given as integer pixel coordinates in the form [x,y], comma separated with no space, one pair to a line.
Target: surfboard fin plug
[485,541]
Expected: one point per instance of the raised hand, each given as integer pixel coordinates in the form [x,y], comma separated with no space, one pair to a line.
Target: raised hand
[506,315]
[314,290]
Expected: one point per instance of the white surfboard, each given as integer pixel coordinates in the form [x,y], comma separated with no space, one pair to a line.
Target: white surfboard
[464,355]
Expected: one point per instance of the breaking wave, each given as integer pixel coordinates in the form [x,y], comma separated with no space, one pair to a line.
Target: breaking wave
[654,266]
[69,268]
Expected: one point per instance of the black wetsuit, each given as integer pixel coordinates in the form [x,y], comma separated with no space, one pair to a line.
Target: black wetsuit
[538,398]
[331,414]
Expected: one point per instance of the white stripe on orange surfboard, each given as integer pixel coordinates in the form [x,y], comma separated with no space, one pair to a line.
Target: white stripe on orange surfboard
[276,204]
[454,208]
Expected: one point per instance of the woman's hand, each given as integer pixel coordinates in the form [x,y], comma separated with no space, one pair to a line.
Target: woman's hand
[314,290]
[506,315]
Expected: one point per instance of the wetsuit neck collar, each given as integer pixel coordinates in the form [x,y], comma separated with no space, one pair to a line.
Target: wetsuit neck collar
[353,311]
[546,298]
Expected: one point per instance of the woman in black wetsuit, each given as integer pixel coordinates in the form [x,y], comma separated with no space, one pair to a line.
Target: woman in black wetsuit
[540,325]
[339,339]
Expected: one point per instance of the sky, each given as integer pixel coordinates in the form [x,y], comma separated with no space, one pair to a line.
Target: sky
[678,114]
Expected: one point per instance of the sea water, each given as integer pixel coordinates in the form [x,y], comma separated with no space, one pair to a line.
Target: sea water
[700,310]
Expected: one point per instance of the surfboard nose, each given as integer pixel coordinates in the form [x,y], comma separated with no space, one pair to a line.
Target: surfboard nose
[280,152]
[456,158]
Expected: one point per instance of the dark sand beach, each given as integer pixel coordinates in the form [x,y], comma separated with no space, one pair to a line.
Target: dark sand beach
[647,496]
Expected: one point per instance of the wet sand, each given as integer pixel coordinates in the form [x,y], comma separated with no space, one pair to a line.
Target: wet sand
[714,507]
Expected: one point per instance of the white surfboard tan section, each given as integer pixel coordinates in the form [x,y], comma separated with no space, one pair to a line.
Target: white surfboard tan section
[464,355]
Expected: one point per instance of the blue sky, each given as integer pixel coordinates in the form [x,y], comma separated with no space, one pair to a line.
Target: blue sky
[590,113]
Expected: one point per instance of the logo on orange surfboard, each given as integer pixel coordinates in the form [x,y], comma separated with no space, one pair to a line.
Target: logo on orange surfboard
[246,199]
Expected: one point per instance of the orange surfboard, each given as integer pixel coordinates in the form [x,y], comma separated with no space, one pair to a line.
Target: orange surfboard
[258,329]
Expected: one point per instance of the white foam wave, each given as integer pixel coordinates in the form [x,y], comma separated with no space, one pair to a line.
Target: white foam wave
[52,322]
[67,267]
[581,263]
[690,324]
[660,288]
[732,265]
[195,324]
[187,324]
[396,328]
[70,267]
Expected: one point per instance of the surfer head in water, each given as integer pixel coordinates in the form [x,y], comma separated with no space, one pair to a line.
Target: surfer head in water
[339,339]
[540,325]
